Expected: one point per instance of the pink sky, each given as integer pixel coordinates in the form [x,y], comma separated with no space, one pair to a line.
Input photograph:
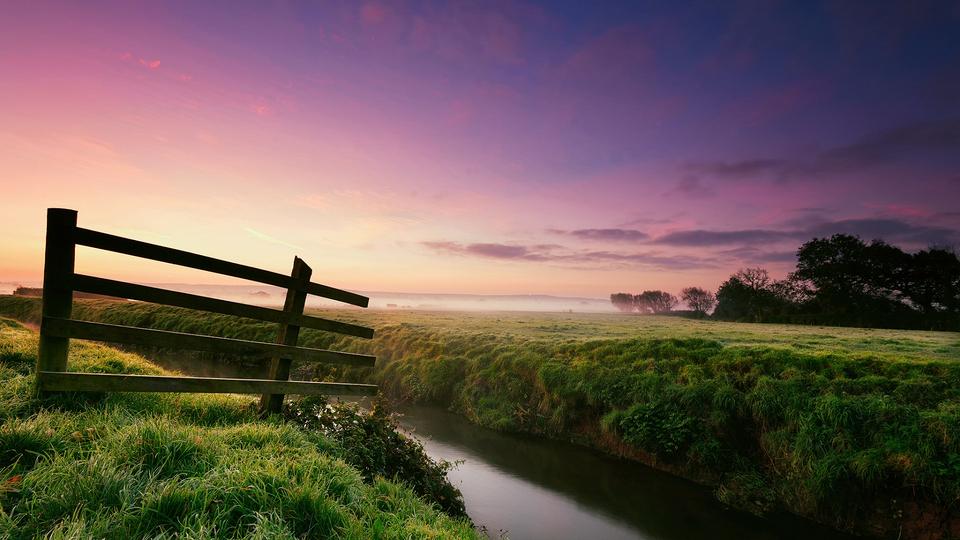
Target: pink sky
[492,148]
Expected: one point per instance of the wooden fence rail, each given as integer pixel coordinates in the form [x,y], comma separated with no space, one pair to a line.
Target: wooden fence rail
[57,328]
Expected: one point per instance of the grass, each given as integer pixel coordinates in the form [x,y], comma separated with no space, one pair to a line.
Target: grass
[554,327]
[856,428]
[181,466]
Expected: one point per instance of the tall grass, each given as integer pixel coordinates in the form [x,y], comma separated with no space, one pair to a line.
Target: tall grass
[863,439]
[178,466]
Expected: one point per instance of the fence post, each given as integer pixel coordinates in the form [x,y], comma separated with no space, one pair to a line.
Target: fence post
[288,333]
[58,265]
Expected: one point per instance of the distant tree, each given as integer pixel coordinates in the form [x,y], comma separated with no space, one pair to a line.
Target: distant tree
[655,302]
[842,280]
[749,295]
[757,279]
[623,302]
[700,300]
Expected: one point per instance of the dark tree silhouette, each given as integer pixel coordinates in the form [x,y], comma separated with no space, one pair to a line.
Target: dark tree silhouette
[859,284]
[751,296]
[843,280]
[932,283]
[700,300]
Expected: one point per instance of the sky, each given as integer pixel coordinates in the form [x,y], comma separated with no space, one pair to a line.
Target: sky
[577,148]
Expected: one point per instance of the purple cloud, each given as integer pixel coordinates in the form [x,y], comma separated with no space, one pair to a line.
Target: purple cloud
[702,237]
[488,250]
[906,141]
[738,169]
[612,235]
[891,230]
[590,258]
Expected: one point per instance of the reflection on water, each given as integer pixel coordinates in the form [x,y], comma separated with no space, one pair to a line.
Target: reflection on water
[534,488]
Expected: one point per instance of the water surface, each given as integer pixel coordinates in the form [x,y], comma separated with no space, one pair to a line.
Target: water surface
[534,488]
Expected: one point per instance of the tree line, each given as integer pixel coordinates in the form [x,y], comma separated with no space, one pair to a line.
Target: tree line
[838,281]
[659,302]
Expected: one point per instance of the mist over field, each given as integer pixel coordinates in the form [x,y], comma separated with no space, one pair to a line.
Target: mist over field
[266,295]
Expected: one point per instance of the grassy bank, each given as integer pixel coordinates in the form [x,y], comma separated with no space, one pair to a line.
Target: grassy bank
[856,428]
[185,466]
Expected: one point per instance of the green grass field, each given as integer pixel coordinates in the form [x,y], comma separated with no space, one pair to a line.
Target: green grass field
[182,466]
[568,327]
[859,429]
[892,344]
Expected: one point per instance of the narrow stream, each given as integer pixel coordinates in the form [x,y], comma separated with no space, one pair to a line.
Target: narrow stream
[533,488]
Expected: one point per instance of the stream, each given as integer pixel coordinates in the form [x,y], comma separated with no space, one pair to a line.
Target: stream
[526,487]
[534,488]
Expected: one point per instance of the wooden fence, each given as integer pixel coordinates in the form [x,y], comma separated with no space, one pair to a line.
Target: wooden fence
[60,281]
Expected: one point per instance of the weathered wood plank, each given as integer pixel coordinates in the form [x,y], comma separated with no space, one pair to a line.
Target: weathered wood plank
[119,244]
[156,295]
[337,294]
[287,334]
[59,257]
[68,328]
[102,382]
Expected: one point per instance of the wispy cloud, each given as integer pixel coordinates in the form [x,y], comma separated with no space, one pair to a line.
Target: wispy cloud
[891,230]
[612,235]
[703,237]
[488,250]
[736,170]
[710,248]
[901,142]
[267,238]
[558,254]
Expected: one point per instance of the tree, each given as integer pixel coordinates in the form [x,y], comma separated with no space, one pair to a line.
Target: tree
[842,280]
[623,301]
[700,300]
[932,283]
[655,302]
[749,295]
[757,279]
[855,283]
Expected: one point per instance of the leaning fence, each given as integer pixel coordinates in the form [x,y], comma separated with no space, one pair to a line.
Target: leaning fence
[57,328]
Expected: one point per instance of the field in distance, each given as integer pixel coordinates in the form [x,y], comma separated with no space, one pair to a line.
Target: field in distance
[556,327]
[899,344]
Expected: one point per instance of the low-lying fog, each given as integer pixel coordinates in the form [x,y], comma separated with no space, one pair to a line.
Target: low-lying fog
[272,296]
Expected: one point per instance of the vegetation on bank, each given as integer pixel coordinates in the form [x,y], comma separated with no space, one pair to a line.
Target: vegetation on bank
[856,428]
[188,466]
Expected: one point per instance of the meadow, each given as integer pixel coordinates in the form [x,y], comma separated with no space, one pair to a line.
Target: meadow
[859,429]
[189,466]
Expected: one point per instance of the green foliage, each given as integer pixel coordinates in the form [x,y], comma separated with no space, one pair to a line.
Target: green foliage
[371,442]
[656,428]
[191,466]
